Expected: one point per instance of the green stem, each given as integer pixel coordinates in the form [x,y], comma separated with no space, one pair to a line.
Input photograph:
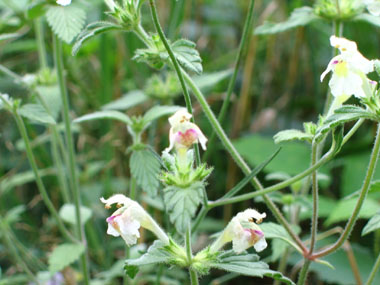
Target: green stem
[374,270]
[247,32]
[176,67]
[237,158]
[41,44]
[363,193]
[193,277]
[40,184]
[314,220]
[189,254]
[303,274]
[58,58]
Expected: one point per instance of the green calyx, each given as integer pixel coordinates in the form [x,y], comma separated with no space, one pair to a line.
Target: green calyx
[338,9]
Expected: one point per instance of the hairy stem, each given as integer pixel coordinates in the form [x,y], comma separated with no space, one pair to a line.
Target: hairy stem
[374,270]
[303,273]
[314,220]
[363,193]
[58,58]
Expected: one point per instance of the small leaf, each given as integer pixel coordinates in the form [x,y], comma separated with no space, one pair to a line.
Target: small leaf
[182,203]
[299,17]
[92,30]
[36,113]
[208,81]
[66,22]
[188,57]
[67,213]
[248,264]
[290,135]
[131,270]
[272,230]
[372,225]
[102,115]
[63,255]
[37,9]
[159,111]
[129,100]
[145,168]
[368,18]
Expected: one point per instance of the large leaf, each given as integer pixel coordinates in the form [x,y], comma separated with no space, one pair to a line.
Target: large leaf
[66,22]
[63,255]
[368,18]
[372,225]
[299,17]
[155,254]
[188,57]
[343,210]
[145,168]
[182,203]
[92,30]
[67,213]
[128,100]
[248,264]
[102,115]
[36,113]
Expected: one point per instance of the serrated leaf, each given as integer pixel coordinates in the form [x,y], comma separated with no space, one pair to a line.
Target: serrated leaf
[36,113]
[67,213]
[145,168]
[188,57]
[368,18]
[343,115]
[63,255]
[103,115]
[155,254]
[343,210]
[92,30]
[372,225]
[128,100]
[248,264]
[299,17]
[272,230]
[290,135]
[66,22]
[182,203]
[159,111]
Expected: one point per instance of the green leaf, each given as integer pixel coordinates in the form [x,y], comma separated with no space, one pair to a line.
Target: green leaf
[372,225]
[92,30]
[186,54]
[343,210]
[36,113]
[368,18]
[290,135]
[63,255]
[103,115]
[129,100]
[273,231]
[343,115]
[37,9]
[159,111]
[155,254]
[9,36]
[207,81]
[13,214]
[182,203]
[52,98]
[66,22]
[145,168]
[299,17]
[67,213]
[248,264]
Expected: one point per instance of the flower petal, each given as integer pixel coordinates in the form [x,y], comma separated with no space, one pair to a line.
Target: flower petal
[117,199]
[260,245]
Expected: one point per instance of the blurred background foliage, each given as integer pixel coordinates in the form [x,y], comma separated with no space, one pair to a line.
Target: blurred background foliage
[277,88]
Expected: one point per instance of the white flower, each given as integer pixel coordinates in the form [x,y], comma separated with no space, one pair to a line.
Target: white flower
[183,133]
[127,220]
[349,69]
[244,232]
[373,6]
[64,2]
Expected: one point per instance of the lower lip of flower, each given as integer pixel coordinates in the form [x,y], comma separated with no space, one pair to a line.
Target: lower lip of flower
[187,138]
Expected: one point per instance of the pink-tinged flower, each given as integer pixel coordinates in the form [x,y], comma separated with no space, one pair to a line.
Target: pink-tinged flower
[127,220]
[183,133]
[244,232]
[349,70]
[64,2]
